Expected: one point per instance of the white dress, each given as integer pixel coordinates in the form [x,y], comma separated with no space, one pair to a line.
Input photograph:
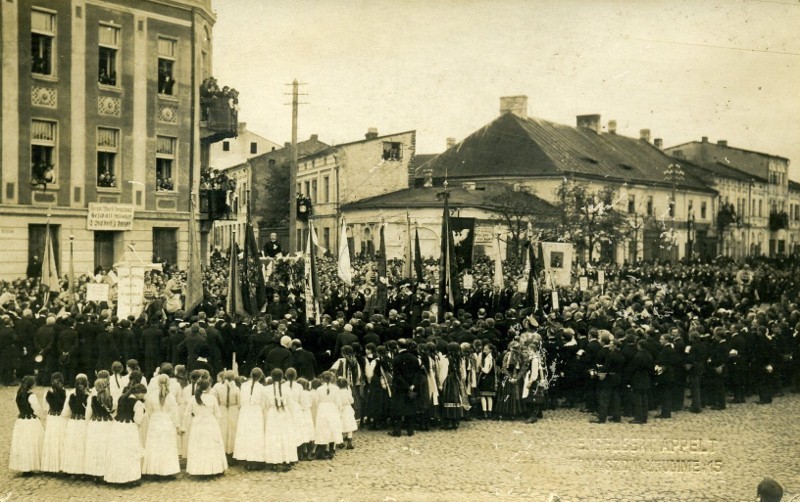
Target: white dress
[293,394]
[124,460]
[98,438]
[227,394]
[328,424]
[280,437]
[187,395]
[54,429]
[347,412]
[116,384]
[27,440]
[73,449]
[206,451]
[307,430]
[249,444]
[161,446]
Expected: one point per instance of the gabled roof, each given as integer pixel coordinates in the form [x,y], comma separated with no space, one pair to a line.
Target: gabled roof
[512,146]
[333,148]
[426,197]
[722,169]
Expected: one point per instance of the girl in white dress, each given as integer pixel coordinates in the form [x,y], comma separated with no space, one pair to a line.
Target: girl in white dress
[124,461]
[161,447]
[117,382]
[206,452]
[249,444]
[28,435]
[54,400]
[227,394]
[306,420]
[187,397]
[73,449]
[280,438]
[346,411]
[328,424]
[292,392]
[98,427]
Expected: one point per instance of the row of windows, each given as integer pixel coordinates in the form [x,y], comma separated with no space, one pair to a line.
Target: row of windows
[43,51]
[44,158]
[302,237]
[226,147]
[309,189]
[650,209]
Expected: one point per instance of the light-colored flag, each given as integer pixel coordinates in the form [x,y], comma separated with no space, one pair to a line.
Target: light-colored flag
[344,271]
[49,268]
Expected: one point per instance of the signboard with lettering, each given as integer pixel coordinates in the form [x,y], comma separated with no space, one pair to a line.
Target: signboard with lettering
[130,291]
[117,217]
[96,292]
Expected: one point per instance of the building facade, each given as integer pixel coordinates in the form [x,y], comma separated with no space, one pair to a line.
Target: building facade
[236,151]
[757,187]
[100,115]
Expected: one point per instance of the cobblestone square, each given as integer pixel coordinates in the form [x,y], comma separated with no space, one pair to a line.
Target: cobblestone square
[716,455]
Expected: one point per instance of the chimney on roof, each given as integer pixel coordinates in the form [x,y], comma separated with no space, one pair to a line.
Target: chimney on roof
[518,105]
[372,133]
[241,127]
[287,144]
[314,137]
[428,175]
[704,139]
[612,126]
[451,142]
[589,122]
[659,143]
[644,135]
[722,142]
[469,185]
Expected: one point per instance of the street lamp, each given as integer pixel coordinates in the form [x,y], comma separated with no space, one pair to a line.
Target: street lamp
[675,174]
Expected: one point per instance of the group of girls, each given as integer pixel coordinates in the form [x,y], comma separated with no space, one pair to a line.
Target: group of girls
[122,428]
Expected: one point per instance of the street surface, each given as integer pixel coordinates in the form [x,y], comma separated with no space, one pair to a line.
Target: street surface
[716,455]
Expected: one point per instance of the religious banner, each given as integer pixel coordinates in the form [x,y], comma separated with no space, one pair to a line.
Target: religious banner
[103,216]
[463,230]
[557,258]
[130,291]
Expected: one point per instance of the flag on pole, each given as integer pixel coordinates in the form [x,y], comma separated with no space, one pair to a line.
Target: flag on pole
[310,278]
[383,280]
[344,272]
[253,287]
[49,268]
[533,269]
[194,275]
[408,270]
[447,266]
[234,300]
[498,266]
[418,257]
[71,288]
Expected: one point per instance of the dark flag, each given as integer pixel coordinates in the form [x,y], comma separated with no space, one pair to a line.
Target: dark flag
[463,234]
[253,286]
[448,274]
[383,280]
[234,301]
[534,268]
[418,258]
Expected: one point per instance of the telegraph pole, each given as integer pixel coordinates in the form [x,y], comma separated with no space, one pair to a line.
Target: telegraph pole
[293,244]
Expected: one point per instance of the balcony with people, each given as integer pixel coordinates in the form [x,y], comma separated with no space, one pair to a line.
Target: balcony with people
[218,111]
[218,198]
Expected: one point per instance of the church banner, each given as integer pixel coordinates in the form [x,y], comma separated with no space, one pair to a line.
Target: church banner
[130,291]
[463,230]
[557,263]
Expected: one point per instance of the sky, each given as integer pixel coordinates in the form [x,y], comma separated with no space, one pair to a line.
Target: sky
[726,69]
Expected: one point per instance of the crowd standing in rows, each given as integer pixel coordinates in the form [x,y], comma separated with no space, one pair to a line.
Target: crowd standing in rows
[633,345]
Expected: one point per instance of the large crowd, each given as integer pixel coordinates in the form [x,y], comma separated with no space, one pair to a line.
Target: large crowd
[275,388]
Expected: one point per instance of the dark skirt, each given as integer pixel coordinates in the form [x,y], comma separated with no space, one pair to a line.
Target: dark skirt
[452,399]
[377,402]
[487,384]
[424,401]
[509,399]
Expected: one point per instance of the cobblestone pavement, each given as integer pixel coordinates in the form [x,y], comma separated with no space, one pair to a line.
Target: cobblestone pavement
[716,455]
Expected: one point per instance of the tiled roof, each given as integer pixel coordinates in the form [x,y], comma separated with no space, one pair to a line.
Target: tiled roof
[427,197]
[709,170]
[717,145]
[512,146]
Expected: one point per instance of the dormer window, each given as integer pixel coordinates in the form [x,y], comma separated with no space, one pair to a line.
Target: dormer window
[392,151]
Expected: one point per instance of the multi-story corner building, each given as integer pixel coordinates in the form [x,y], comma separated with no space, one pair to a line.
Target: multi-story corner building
[103,128]
[350,172]
[757,186]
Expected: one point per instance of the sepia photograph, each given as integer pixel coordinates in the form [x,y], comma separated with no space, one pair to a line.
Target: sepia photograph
[400,250]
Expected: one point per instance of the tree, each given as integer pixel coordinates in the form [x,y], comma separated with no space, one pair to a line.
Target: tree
[589,218]
[276,188]
[515,208]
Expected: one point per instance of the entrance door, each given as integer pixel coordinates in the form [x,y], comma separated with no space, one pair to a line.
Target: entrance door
[36,247]
[165,245]
[103,250]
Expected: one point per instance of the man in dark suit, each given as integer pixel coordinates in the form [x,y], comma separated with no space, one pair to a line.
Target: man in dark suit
[303,361]
[406,373]
[640,368]
[272,248]
[666,364]
[67,345]
[280,356]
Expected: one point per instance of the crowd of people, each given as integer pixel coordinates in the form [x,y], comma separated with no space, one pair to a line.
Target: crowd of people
[653,340]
